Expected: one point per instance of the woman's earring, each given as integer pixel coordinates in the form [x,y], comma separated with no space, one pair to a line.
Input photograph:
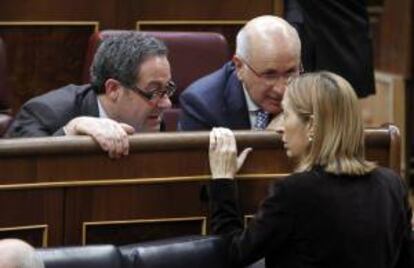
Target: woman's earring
[310,138]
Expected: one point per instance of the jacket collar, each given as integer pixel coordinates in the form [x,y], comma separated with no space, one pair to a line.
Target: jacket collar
[89,105]
[235,101]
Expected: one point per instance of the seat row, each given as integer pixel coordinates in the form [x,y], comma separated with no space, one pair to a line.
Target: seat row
[191,55]
[183,252]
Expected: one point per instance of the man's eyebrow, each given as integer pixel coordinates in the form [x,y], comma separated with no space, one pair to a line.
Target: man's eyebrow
[271,70]
[154,83]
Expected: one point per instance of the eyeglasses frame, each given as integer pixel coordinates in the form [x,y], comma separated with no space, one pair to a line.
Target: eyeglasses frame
[152,96]
[272,80]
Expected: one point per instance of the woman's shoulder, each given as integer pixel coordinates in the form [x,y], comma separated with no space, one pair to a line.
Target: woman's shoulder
[317,180]
[388,176]
[313,174]
[385,172]
[303,179]
[319,175]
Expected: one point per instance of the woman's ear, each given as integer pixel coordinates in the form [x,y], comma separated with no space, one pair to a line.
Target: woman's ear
[112,89]
[310,126]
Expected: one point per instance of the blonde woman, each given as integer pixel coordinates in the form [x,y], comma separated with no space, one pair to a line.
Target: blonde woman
[336,209]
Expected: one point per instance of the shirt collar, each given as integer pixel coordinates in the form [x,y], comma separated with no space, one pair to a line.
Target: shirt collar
[102,113]
[251,106]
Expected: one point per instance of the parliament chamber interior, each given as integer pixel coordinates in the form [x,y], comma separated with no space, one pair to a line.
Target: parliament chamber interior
[65,197]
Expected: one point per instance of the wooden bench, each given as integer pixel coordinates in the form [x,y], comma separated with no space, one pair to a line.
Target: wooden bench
[66,191]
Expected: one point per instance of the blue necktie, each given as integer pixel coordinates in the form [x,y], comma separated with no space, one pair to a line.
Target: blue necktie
[262,119]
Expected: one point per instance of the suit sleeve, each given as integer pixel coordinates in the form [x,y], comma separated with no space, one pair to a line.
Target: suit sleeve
[269,229]
[35,119]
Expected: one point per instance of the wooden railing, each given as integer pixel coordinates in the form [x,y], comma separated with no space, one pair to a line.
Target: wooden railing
[65,190]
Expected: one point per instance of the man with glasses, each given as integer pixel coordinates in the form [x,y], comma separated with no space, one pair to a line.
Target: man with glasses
[129,91]
[247,92]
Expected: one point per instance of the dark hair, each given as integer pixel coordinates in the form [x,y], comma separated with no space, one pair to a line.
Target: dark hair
[121,56]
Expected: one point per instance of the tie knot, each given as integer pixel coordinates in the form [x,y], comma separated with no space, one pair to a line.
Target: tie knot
[262,119]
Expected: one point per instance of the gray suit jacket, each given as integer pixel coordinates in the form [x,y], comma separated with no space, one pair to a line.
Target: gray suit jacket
[46,115]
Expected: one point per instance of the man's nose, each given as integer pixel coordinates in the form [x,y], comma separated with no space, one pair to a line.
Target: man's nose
[164,102]
[279,85]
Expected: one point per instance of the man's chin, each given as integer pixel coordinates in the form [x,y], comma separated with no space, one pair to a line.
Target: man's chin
[152,126]
[152,123]
[148,128]
[275,110]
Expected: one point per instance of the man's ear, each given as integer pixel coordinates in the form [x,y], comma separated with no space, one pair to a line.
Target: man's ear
[112,89]
[238,64]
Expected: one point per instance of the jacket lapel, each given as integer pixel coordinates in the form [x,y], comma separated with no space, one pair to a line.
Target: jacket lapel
[89,103]
[236,107]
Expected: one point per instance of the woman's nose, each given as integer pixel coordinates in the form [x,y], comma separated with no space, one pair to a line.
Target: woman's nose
[280,130]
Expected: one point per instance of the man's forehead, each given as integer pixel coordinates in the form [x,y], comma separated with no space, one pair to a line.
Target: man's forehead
[272,51]
[279,65]
[155,69]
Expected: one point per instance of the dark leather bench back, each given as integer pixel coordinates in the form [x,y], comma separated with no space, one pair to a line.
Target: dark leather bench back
[180,252]
[102,256]
[191,251]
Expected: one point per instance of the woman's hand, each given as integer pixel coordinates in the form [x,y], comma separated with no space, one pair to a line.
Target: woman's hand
[224,162]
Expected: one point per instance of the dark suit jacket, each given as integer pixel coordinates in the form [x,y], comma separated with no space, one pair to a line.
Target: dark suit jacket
[215,100]
[335,37]
[45,115]
[317,219]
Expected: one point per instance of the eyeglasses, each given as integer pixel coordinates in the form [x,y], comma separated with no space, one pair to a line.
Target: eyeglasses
[272,78]
[156,94]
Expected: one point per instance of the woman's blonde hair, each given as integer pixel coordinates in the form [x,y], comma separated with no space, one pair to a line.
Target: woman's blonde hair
[337,128]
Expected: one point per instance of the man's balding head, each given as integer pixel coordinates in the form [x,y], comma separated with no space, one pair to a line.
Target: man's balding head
[266,32]
[268,53]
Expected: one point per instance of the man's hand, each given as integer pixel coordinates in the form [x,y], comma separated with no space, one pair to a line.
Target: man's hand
[109,134]
[224,163]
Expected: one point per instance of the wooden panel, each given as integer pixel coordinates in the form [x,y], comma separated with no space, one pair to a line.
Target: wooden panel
[228,28]
[123,203]
[36,235]
[32,215]
[44,56]
[396,40]
[213,9]
[134,231]
[70,185]
[146,152]
[387,106]
[122,14]
[107,12]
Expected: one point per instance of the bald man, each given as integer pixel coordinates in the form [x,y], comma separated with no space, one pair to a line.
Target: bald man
[16,253]
[246,92]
